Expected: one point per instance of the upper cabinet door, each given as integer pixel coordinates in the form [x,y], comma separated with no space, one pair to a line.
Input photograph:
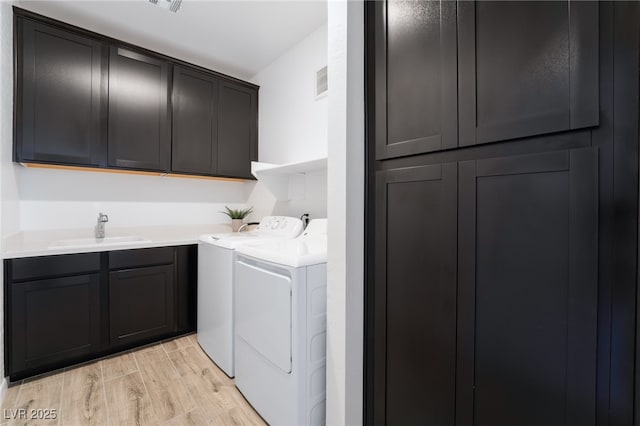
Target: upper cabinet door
[59,97]
[526,68]
[237,129]
[139,115]
[415,108]
[195,122]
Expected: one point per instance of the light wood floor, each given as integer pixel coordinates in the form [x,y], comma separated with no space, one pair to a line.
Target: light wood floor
[173,383]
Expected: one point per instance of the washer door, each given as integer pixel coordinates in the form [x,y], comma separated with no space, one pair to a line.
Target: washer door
[263,312]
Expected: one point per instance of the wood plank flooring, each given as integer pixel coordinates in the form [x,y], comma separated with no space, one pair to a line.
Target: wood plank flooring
[171,383]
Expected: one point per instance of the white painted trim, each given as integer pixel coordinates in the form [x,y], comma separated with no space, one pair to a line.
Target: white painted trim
[345,202]
[4,387]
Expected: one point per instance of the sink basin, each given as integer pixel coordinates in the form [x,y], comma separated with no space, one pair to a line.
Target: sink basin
[91,242]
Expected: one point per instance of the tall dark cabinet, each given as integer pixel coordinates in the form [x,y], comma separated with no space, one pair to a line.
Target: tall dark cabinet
[502,152]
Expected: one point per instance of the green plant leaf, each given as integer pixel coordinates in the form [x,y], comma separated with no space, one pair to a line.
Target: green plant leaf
[237,213]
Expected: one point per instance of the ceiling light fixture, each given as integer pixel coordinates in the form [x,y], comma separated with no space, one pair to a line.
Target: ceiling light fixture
[172,5]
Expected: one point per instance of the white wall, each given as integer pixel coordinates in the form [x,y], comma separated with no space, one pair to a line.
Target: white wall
[59,199]
[292,123]
[293,127]
[309,195]
[345,273]
[34,199]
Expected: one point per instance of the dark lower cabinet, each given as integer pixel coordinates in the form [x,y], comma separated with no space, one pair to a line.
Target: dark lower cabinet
[54,320]
[186,287]
[141,304]
[61,310]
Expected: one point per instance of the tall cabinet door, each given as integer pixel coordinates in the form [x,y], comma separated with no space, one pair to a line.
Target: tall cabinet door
[415,293]
[195,122]
[60,97]
[139,114]
[526,68]
[528,290]
[237,129]
[415,77]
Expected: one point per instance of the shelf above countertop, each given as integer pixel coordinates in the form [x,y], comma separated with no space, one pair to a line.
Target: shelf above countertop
[302,167]
[278,177]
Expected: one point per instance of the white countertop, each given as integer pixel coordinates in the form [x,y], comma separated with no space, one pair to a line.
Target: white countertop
[36,243]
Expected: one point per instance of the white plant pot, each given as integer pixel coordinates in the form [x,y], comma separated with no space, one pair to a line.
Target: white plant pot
[236,224]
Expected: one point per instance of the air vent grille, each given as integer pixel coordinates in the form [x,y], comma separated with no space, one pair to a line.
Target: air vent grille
[172,5]
[322,85]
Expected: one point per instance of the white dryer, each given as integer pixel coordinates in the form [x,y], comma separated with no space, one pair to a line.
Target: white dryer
[280,308]
[216,256]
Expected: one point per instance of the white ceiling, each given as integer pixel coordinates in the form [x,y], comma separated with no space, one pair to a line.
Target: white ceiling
[238,38]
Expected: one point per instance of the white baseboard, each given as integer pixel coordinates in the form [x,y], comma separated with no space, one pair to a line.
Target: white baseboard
[4,386]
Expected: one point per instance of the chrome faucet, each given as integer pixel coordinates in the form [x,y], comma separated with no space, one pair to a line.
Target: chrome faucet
[305,220]
[102,219]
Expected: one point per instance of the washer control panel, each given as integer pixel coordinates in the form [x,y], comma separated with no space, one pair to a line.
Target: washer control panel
[279,226]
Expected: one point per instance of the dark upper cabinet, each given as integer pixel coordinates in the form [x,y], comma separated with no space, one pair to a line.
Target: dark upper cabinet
[237,129]
[139,111]
[415,102]
[60,96]
[80,102]
[526,68]
[195,122]
[528,290]
[415,309]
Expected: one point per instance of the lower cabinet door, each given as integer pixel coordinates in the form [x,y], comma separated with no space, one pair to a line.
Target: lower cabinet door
[141,304]
[415,292]
[54,322]
[528,290]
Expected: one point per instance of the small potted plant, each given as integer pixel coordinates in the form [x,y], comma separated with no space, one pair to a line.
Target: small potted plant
[237,215]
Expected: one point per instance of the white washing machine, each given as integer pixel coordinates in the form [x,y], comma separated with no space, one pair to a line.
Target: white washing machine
[216,256]
[281,327]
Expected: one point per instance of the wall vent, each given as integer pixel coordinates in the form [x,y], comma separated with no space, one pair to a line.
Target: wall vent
[322,86]
[172,5]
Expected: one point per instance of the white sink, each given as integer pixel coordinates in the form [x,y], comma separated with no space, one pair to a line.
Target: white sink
[97,242]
